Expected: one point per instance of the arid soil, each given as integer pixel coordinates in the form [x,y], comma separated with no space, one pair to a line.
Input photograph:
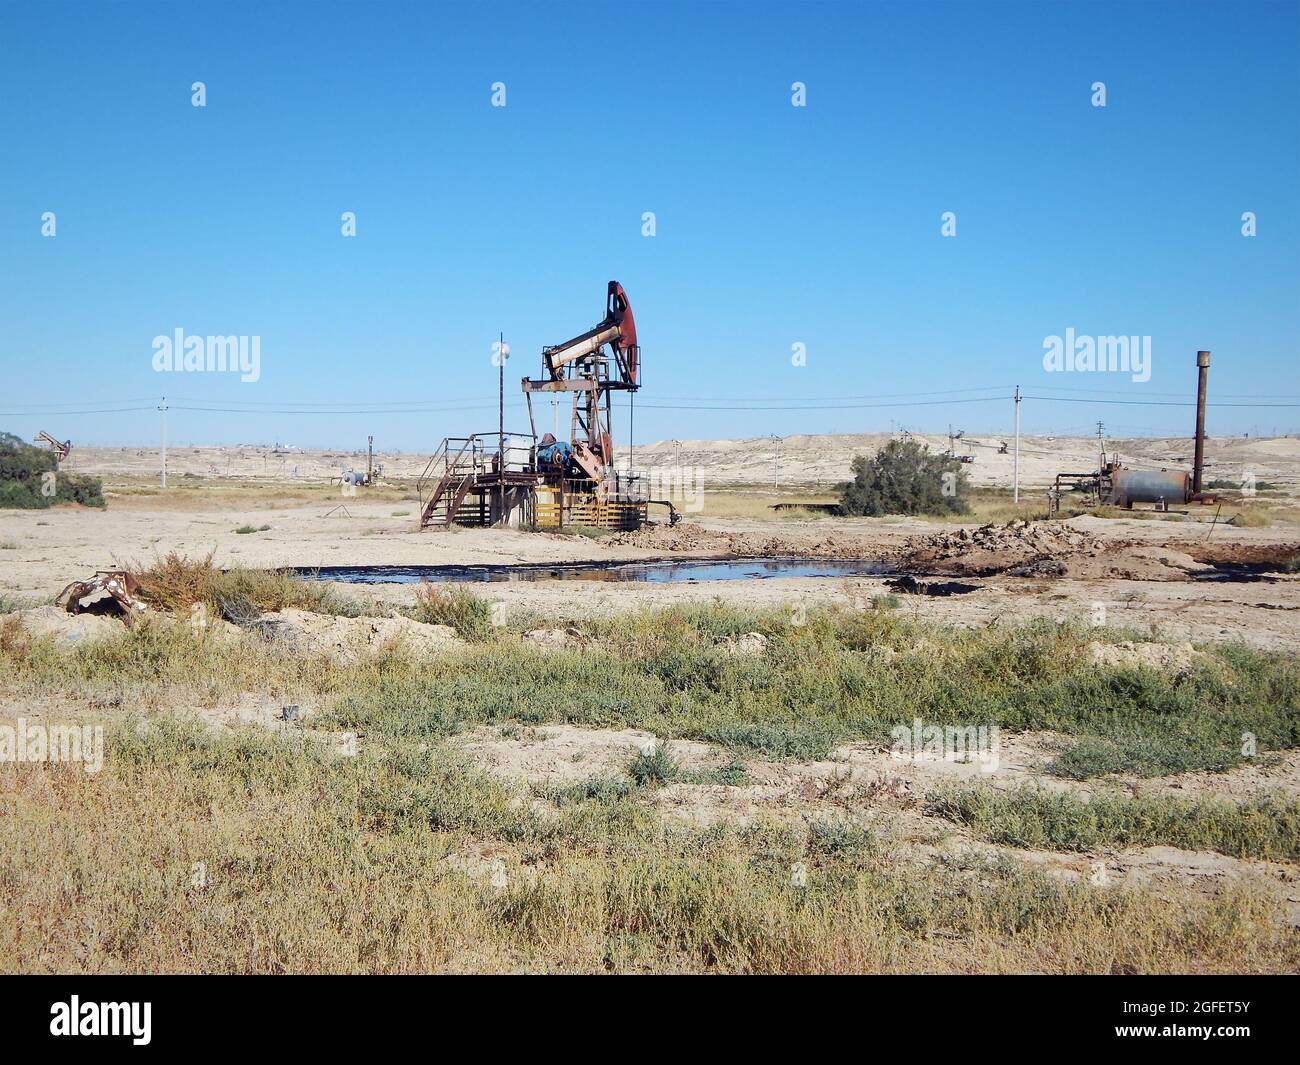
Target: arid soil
[1142,574]
[859,777]
[1187,581]
[806,460]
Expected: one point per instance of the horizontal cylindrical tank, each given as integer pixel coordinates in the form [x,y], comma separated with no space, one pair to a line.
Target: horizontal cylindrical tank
[1148,486]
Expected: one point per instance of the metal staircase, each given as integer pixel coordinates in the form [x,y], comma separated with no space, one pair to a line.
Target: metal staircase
[451,474]
[458,480]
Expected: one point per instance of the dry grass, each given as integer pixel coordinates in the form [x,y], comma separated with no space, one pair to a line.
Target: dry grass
[1253,517]
[244,850]
[176,584]
[450,604]
[202,495]
[756,505]
[987,505]
[279,857]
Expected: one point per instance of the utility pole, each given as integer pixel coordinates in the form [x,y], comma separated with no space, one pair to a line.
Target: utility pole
[162,418]
[503,353]
[1016,466]
[776,467]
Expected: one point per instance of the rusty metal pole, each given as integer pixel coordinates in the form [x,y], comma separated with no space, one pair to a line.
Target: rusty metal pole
[1203,372]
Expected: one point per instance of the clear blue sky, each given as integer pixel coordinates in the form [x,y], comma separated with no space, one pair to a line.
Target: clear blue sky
[775,224]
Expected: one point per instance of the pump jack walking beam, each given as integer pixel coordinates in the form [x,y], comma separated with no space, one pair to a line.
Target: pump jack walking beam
[617,329]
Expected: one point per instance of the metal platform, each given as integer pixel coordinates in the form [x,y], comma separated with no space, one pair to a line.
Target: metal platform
[465,473]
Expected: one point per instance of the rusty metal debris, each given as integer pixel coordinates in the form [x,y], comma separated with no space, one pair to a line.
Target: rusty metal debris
[116,589]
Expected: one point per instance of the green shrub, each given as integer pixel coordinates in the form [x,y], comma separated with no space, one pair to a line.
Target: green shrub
[23,481]
[655,766]
[904,478]
[1035,817]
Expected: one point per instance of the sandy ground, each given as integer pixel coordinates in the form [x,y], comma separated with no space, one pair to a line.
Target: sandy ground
[44,550]
[871,786]
[808,460]
[1140,574]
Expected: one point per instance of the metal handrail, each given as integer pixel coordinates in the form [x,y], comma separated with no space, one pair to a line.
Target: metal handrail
[481,448]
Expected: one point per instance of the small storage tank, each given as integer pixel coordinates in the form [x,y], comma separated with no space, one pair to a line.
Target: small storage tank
[1148,486]
[518,453]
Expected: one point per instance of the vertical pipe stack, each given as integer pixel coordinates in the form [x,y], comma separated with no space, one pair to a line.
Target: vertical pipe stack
[1203,372]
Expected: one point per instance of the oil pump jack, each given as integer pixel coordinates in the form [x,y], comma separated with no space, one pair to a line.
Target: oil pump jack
[583,367]
[505,478]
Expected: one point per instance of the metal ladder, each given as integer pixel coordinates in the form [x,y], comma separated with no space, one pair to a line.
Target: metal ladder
[450,475]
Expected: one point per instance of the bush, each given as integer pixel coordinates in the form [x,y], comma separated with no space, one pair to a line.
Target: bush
[1251,518]
[176,583]
[1264,827]
[904,478]
[655,766]
[22,479]
[450,604]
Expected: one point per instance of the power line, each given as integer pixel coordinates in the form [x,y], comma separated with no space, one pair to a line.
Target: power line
[1129,392]
[367,410]
[66,413]
[1153,403]
[831,406]
[391,408]
[451,403]
[822,399]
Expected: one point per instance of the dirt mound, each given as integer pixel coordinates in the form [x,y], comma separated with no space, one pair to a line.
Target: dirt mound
[689,537]
[751,643]
[351,636]
[1263,555]
[69,630]
[567,754]
[567,637]
[1143,564]
[1043,549]
[999,547]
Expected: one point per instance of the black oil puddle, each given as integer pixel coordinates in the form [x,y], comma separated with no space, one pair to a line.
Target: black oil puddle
[1242,572]
[909,585]
[654,571]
